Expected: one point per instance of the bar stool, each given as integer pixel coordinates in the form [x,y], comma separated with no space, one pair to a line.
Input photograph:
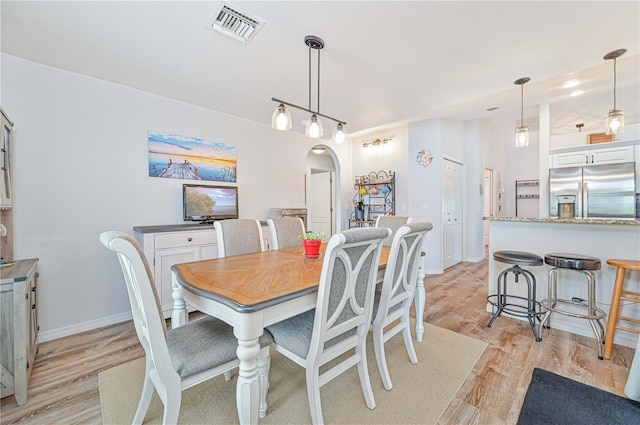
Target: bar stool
[619,293]
[501,300]
[583,264]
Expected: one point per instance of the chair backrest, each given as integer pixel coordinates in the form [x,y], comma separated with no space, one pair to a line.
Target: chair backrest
[345,294]
[238,236]
[392,222]
[399,282]
[284,232]
[143,297]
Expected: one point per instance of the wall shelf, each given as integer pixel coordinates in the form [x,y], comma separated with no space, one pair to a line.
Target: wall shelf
[375,196]
[527,189]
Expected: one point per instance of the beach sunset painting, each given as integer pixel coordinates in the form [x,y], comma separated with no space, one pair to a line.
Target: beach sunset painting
[180,157]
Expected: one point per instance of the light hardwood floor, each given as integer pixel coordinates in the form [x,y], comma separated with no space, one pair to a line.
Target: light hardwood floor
[64,384]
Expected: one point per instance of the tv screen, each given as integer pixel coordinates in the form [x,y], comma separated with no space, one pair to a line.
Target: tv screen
[208,203]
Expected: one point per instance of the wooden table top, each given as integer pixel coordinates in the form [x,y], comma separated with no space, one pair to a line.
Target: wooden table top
[254,281]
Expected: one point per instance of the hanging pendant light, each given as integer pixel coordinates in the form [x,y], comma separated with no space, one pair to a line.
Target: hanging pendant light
[281,119]
[615,117]
[522,132]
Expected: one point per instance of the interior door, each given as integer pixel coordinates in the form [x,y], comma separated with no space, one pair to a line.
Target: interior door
[488,201]
[321,203]
[451,213]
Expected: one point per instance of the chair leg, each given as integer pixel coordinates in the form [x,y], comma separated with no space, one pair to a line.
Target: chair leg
[227,376]
[313,393]
[378,346]
[264,364]
[145,400]
[408,341]
[613,313]
[363,371]
[172,406]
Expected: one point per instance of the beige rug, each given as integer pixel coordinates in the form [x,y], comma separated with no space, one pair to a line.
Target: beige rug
[420,393]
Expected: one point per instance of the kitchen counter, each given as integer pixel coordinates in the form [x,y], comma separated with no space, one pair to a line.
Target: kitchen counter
[603,239]
[626,222]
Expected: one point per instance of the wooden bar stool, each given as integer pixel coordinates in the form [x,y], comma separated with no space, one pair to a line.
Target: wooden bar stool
[620,294]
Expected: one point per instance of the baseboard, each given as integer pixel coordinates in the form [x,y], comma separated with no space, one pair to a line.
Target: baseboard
[433,271]
[577,326]
[474,259]
[83,327]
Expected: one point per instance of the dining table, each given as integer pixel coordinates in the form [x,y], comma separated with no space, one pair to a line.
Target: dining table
[251,292]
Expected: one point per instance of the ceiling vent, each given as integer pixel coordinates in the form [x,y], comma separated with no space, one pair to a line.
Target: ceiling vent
[227,19]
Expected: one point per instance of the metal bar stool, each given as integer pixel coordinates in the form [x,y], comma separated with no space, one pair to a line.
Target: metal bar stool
[619,293]
[502,300]
[583,264]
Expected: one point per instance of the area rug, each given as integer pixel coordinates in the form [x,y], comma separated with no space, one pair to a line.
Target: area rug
[420,393]
[554,399]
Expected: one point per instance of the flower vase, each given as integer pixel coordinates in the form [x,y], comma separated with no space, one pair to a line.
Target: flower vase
[312,249]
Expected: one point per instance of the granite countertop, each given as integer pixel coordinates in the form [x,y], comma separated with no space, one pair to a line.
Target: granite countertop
[627,222]
[177,227]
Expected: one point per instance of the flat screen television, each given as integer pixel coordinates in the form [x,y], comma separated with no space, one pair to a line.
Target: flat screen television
[208,203]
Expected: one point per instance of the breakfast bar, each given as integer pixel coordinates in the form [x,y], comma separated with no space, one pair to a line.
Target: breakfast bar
[599,238]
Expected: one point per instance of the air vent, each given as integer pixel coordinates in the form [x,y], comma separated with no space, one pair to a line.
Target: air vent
[228,20]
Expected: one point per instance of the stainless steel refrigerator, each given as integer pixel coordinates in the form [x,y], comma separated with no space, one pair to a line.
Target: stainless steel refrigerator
[601,191]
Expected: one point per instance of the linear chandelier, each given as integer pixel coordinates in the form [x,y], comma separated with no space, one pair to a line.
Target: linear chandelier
[281,118]
[615,117]
[522,131]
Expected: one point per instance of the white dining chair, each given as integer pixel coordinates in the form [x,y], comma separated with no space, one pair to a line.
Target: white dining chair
[340,322]
[392,222]
[396,294]
[182,357]
[238,236]
[285,232]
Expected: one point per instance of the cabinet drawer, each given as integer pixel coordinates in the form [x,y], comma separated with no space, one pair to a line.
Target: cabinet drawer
[173,240]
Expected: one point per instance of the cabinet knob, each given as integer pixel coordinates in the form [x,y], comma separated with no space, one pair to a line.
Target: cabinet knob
[189,240]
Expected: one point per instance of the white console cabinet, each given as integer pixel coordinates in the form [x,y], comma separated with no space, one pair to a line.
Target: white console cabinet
[18,326]
[165,246]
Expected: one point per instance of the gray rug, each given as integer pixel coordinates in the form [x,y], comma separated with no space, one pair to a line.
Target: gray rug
[554,399]
[420,393]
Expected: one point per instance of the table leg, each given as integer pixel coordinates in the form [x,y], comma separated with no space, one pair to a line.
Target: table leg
[248,388]
[179,313]
[420,299]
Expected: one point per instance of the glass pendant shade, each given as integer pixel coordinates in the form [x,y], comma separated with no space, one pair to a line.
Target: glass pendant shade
[313,129]
[281,118]
[522,136]
[339,134]
[615,122]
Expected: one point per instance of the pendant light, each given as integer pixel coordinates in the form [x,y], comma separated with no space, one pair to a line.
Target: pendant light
[615,117]
[522,132]
[281,118]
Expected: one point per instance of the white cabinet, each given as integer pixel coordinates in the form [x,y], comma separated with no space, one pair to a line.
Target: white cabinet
[6,133]
[18,327]
[165,246]
[594,156]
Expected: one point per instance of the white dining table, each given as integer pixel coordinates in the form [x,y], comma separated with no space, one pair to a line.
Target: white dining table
[251,292]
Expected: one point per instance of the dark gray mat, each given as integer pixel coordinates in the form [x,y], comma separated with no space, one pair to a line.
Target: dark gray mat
[554,399]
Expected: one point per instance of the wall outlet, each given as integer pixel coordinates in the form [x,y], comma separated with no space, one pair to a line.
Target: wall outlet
[576,295]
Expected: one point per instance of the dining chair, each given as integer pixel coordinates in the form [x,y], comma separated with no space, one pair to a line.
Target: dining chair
[396,294]
[284,232]
[341,319]
[179,358]
[392,222]
[238,236]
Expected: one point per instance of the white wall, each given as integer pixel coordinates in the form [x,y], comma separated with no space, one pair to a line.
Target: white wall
[81,168]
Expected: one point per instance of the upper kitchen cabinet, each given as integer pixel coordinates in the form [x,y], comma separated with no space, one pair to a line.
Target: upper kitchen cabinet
[594,155]
[5,161]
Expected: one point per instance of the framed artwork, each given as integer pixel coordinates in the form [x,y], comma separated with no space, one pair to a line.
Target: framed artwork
[180,157]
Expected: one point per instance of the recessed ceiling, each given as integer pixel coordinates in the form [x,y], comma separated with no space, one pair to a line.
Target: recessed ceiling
[384,63]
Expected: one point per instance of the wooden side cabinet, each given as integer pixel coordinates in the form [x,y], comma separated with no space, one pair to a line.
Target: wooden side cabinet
[18,327]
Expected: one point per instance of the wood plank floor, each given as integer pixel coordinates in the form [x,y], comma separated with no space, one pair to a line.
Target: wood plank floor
[64,384]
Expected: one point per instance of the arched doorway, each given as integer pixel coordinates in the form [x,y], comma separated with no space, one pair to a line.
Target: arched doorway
[322,190]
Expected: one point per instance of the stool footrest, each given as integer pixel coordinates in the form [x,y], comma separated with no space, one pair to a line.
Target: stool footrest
[550,305]
[516,309]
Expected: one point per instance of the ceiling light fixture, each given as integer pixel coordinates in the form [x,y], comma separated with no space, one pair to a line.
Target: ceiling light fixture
[522,132]
[615,117]
[318,149]
[377,142]
[281,119]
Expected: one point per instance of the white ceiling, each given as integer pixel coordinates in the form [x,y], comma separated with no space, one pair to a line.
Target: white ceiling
[384,62]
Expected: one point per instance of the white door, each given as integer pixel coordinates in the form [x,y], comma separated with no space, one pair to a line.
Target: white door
[321,203]
[451,213]
[488,201]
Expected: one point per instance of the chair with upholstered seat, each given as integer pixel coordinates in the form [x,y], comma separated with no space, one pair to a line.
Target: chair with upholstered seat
[396,294]
[393,222]
[341,319]
[284,232]
[182,357]
[238,236]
